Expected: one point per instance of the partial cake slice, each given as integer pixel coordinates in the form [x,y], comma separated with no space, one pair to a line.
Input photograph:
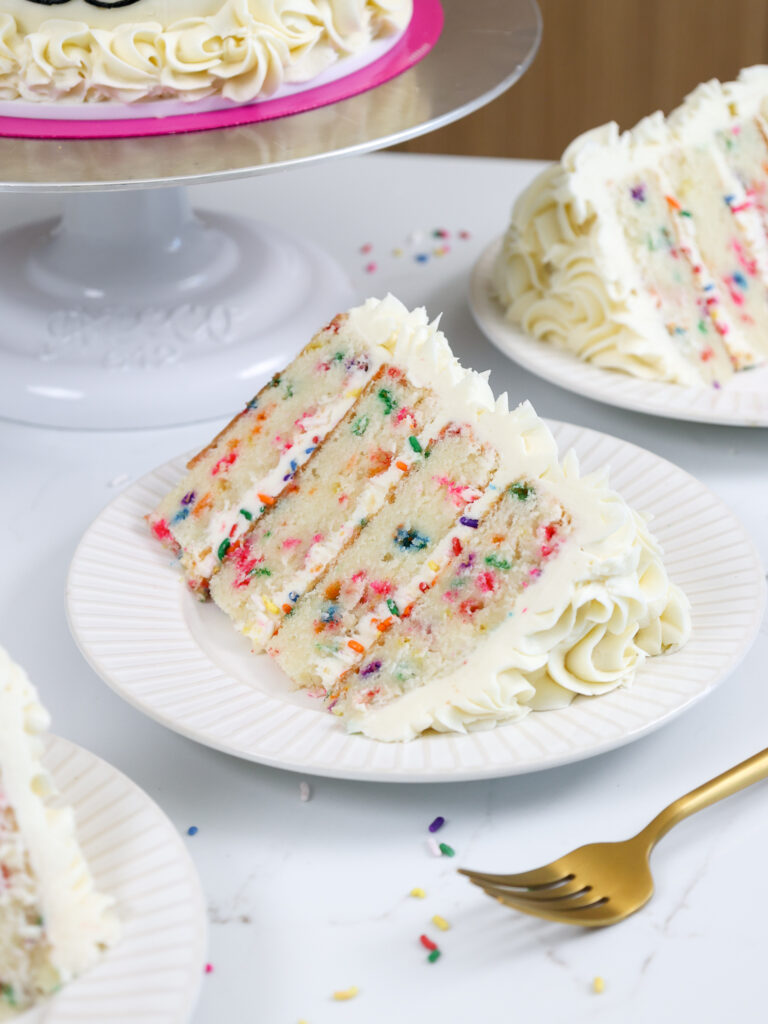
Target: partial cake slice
[432,564]
[647,251]
[53,923]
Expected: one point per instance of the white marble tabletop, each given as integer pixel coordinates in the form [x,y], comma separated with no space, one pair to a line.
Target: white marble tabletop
[309,897]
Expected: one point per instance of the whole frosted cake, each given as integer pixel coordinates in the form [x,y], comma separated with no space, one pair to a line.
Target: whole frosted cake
[407,548]
[646,251]
[53,923]
[129,50]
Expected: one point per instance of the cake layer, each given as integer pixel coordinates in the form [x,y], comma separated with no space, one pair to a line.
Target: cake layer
[336,623]
[252,461]
[476,589]
[344,483]
[647,252]
[76,50]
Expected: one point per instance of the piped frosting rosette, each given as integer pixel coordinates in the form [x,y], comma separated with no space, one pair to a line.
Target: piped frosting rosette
[244,50]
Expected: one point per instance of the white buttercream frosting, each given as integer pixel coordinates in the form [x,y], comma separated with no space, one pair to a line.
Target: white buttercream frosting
[242,50]
[79,922]
[568,274]
[599,608]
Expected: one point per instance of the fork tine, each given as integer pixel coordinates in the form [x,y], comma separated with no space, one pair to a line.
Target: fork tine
[547,875]
[597,915]
[580,896]
[568,887]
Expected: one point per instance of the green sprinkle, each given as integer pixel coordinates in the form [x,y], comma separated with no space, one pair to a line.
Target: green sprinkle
[427,453]
[275,382]
[388,400]
[224,548]
[364,521]
[338,357]
[246,513]
[434,955]
[685,213]
[446,850]
[414,443]
[260,572]
[268,533]
[8,994]
[702,327]
[262,510]
[360,426]
[497,563]
[288,391]
[392,607]
[520,491]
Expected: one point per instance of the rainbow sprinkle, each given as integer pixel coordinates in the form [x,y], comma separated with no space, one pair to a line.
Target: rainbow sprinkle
[437,824]
[440,923]
[346,993]
[192,830]
[446,850]
[434,955]
[417,893]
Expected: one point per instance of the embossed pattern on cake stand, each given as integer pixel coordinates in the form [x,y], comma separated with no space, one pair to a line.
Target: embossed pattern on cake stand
[134,311]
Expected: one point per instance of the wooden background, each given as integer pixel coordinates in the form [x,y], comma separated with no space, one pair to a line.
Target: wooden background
[609,60]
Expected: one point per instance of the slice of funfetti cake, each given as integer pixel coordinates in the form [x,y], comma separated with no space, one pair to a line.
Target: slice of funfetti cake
[53,923]
[430,563]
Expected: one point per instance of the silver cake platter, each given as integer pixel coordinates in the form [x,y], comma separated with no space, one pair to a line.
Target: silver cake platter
[131,298]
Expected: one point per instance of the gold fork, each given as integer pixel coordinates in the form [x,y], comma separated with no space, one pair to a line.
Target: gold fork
[603,883]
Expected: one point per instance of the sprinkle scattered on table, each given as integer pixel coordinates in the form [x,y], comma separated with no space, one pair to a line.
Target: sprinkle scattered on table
[427,943]
[440,923]
[346,993]
[446,850]
[598,985]
[209,968]
[365,249]
[434,955]
[305,792]
[417,893]
[192,830]
[420,245]
[371,268]
[437,824]
[434,849]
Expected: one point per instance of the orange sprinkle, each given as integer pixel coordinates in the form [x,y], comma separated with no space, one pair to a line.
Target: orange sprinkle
[406,612]
[286,608]
[356,646]
[498,538]
[385,625]
[672,203]
[401,465]
[202,505]
[266,499]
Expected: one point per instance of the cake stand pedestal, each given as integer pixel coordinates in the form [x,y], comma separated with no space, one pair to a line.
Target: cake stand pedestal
[134,311]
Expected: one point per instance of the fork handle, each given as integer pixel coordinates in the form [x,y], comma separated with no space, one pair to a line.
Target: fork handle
[739,777]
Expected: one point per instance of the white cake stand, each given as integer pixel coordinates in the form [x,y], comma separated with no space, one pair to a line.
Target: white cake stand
[132,310]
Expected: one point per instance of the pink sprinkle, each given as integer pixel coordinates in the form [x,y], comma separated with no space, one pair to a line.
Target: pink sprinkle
[434,849]
[486,582]
[365,249]
[317,538]
[381,587]
[291,542]
[464,235]
[209,968]
[535,573]
[371,267]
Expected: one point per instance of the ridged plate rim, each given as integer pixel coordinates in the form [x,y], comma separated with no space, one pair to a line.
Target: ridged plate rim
[154,972]
[125,605]
[724,407]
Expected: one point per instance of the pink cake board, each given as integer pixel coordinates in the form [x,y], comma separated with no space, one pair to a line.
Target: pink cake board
[418,39]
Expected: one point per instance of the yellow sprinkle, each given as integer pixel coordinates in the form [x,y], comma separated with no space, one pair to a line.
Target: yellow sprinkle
[440,923]
[346,993]
[352,393]
[271,607]
[598,985]
[419,894]
[433,566]
[397,252]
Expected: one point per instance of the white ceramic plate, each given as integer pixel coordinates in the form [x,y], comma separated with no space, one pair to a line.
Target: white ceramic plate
[182,663]
[152,975]
[742,402]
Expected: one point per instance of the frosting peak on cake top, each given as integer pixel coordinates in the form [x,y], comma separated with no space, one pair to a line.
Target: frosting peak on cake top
[154,49]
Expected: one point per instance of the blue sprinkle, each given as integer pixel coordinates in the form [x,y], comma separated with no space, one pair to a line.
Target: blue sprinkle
[466,521]
[293,596]
[180,516]
[421,257]
[410,539]
[294,465]
[192,830]
[329,614]
[739,279]
[253,404]
[729,199]
[708,287]
[308,451]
